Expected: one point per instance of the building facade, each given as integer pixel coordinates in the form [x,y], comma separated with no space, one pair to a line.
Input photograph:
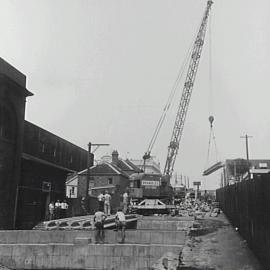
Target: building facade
[111,174]
[34,163]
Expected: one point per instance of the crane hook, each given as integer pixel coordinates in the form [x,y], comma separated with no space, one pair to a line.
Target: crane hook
[211,120]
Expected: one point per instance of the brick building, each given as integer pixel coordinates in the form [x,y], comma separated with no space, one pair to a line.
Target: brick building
[34,163]
[112,174]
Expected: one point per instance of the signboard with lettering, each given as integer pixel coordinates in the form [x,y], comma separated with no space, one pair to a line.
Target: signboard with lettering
[198,183]
[150,183]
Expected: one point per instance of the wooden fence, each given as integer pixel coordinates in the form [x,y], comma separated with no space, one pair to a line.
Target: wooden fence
[247,205]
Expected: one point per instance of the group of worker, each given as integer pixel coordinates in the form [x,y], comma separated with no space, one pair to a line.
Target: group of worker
[120,224]
[104,202]
[58,209]
[104,211]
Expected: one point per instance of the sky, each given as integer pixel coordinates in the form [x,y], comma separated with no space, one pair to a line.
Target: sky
[102,70]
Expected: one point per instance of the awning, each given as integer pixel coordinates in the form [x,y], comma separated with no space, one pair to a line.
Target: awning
[103,187]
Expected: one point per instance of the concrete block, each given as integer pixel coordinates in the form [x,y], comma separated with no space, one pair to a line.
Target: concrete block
[62,262]
[44,250]
[42,262]
[115,263]
[156,251]
[82,240]
[22,237]
[169,237]
[97,250]
[110,236]
[99,262]
[8,261]
[142,264]
[6,250]
[7,237]
[108,250]
[157,225]
[62,249]
[90,262]
[127,250]
[78,250]
[156,237]
[145,237]
[127,263]
[131,236]
[118,250]
[144,224]
[17,251]
[78,262]
[25,262]
[180,237]
[141,251]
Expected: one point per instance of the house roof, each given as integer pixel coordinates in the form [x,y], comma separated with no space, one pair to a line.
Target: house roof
[105,168]
[133,166]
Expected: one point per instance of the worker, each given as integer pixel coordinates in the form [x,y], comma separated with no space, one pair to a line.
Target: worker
[64,208]
[57,209]
[120,221]
[83,206]
[51,210]
[101,200]
[99,219]
[107,203]
[125,202]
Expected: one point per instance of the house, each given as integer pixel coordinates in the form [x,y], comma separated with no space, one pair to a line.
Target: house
[150,166]
[111,174]
[236,170]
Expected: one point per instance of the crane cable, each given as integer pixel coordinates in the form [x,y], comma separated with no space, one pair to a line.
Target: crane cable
[211,107]
[169,102]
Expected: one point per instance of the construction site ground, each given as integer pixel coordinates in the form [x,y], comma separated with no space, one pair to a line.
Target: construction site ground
[158,243]
[217,245]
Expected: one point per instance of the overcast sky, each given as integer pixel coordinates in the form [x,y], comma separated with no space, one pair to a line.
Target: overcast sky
[102,70]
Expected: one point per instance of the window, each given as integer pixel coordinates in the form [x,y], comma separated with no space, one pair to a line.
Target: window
[110,181]
[6,124]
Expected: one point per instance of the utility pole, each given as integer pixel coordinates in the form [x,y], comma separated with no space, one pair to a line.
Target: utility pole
[90,163]
[246,137]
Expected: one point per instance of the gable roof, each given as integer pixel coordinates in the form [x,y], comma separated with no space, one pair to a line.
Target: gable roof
[126,165]
[105,168]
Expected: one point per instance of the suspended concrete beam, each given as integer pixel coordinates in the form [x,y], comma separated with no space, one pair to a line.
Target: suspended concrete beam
[213,168]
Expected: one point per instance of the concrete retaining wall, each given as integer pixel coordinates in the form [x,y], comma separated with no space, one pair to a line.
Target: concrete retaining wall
[69,256]
[69,237]
[166,225]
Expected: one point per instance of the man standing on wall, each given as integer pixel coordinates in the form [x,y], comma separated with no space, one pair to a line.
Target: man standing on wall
[99,219]
[125,202]
[120,221]
[101,201]
[107,203]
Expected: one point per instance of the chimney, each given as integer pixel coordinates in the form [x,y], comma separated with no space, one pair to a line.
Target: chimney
[115,157]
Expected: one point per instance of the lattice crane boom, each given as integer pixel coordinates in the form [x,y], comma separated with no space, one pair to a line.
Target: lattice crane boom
[186,94]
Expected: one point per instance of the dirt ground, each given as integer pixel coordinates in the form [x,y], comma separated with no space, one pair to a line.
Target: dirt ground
[214,245]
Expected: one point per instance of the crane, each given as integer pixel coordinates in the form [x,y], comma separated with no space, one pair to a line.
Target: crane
[186,95]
